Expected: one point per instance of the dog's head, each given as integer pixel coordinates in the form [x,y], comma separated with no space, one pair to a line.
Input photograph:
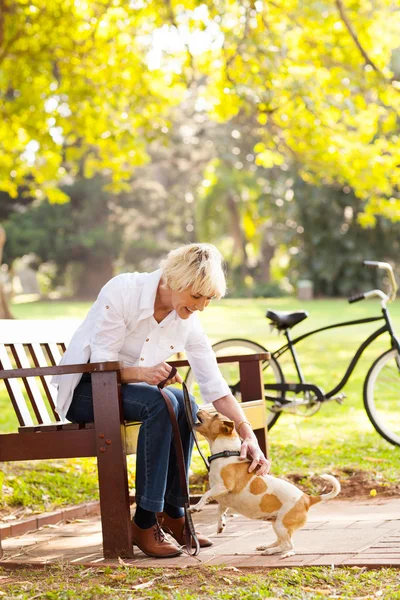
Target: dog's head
[214,425]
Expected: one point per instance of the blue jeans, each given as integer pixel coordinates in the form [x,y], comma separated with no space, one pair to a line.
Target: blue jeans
[157,475]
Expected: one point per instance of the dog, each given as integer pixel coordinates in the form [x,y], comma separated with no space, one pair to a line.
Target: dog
[263,497]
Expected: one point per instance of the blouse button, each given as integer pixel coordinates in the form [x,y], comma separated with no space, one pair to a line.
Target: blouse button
[172,347]
[147,339]
[107,307]
[141,358]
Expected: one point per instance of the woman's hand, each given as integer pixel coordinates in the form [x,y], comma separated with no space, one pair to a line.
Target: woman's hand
[250,449]
[154,375]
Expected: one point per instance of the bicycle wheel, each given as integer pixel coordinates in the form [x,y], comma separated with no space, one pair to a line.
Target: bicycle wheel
[382,396]
[272,372]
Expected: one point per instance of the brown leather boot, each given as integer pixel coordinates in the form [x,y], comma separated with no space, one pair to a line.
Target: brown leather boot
[176,528]
[153,542]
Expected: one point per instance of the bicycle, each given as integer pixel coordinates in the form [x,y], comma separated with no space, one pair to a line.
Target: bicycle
[380,392]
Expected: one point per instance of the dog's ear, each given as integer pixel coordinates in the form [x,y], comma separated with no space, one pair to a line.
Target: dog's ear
[227,427]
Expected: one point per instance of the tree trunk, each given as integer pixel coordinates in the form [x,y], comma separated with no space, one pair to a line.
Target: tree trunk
[4,310]
[96,272]
[238,236]
[267,254]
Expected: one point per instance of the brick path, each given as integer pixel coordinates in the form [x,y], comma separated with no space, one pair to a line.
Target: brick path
[340,532]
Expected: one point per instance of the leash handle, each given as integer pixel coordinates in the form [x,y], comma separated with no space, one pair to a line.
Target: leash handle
[172,374]
[190,532]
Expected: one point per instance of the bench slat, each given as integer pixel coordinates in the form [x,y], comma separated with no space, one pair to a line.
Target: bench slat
[54,353]
[14,391]
[39,360]
[31,385]
[51,427]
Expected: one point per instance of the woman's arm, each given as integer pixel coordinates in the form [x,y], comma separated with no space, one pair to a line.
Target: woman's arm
[203,361]
[228,406]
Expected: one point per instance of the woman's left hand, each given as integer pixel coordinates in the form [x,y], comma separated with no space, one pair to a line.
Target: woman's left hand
[250,449]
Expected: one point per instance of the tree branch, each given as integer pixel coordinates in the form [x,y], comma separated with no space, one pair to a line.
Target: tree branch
[2,11]
[368,60]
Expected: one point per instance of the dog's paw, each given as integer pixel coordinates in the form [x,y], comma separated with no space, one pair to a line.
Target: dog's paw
[289,553]
[269,551]
[194,509]
[277,550]
[261,547]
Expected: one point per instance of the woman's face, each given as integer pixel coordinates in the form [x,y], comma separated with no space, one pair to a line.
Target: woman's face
[186,303]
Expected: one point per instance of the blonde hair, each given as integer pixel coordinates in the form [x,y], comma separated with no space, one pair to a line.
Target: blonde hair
[196,266]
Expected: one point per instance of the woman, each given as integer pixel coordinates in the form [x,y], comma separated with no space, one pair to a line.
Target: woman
[141,319]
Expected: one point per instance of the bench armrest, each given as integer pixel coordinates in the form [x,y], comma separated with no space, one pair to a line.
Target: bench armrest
[100,367]
[227,359]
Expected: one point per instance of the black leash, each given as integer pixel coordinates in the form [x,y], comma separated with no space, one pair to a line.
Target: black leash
[189,419]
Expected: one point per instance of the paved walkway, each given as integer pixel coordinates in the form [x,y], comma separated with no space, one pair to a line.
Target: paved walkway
[340,532]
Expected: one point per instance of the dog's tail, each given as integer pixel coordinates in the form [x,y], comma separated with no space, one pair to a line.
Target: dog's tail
[332,494]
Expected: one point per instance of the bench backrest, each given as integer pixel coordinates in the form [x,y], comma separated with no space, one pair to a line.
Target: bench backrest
[24,344]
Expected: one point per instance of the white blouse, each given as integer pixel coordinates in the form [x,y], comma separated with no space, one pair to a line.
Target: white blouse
[121,326]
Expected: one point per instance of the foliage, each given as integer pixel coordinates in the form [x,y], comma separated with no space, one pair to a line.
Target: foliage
[79,232]
[329,243]
[98,229]
[96,81]
[260,290]
[262,127]
[323,80]
[83,98]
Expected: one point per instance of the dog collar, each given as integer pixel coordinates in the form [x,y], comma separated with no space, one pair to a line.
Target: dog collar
[224,454]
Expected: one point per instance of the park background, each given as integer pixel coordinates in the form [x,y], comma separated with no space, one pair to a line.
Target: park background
[270,129]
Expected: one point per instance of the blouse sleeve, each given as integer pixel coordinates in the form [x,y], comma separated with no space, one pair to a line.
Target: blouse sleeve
[109,323]
[203,361]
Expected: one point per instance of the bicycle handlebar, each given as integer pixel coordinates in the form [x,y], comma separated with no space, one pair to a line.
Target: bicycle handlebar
[388,268]
[378,293]
[356,298]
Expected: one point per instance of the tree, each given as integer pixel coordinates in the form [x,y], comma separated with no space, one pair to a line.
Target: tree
[95,82]
[323,79]
[4,310]
[240,203]
[96,230]
[77,93]
[333,244]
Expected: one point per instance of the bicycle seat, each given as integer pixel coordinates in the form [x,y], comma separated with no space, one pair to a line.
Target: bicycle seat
[284,320]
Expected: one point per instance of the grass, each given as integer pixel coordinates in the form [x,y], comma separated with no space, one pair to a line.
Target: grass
[338,439]
[79,583]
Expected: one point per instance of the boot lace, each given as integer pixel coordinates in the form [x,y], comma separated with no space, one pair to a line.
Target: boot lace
[158,533]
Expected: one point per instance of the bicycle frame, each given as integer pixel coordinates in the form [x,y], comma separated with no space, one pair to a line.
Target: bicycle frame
[305,387]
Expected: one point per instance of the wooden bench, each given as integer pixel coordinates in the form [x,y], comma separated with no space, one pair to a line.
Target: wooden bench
[29,354]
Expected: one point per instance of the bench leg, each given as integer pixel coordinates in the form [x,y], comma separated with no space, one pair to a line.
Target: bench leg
[252,388]
[112,467]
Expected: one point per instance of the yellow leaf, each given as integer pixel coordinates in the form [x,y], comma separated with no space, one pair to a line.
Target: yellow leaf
[117,576]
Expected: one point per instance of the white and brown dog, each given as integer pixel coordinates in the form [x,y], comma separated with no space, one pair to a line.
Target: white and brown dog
[257,497]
